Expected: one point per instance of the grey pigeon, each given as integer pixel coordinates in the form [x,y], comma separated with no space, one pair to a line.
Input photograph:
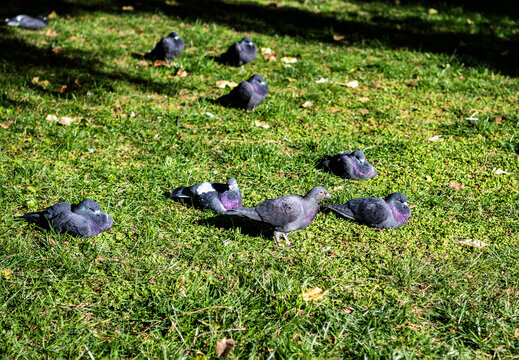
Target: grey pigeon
[218,197]
[28,22]
[248,94]
[241,52]
[349,165]
[285,213]
[167,48]
[82,220]
[391,212]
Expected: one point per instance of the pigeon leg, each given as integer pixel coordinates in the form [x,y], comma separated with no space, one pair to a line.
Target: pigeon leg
[286,240]
[279,242]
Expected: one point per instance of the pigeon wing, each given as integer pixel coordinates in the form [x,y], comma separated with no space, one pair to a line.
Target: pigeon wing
[280,211]
[371,211]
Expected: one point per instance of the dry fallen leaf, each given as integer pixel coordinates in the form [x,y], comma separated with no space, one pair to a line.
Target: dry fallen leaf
[57,49]
[223,83]
[364,99]
[127,8]
[64,120]
[314,294]
[307,104]
[432,11]
[260,124]
[266,51]
[224,347]
[62,89]
[182,73]
[473,243]
[338,37]
[516,333]
[352,84]
[453,184]
[500,172]
[322,80]
[6,124]
[288,60]
[50,33]
[435,138]
[159,63]
[6,273]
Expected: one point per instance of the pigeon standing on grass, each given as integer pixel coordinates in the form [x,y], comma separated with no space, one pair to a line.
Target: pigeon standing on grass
[218,197]
[248,94]
[285,213]
[82,220]
[391,212]
[28,22]
[241,52]
[349,165]
[167,48]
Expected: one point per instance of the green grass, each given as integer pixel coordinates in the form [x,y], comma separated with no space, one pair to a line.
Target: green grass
[169,280]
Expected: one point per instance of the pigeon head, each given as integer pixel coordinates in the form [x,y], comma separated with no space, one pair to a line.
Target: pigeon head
[259,84]
[247,41]
[361,166]
[233,185]
[42,17]
[174,35]
[90,210]
[317,193]
[359,155]
[398,202]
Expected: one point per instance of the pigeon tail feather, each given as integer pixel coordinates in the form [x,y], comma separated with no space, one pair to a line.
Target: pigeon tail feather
[182,192]
[342,209]
[249,212]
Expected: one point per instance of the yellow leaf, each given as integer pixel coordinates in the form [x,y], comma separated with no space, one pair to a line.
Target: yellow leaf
[338,37]
[470,22]
[364,99]
[432,11]
[260,124]
[35,80]
[223,83]
[473,243]
[224,347]
[307,104]
[127,8]
[314,294]
[52,15]
[516,333]
[6,273]
[288,60]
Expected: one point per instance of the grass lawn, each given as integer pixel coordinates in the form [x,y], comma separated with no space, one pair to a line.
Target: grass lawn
[435,110]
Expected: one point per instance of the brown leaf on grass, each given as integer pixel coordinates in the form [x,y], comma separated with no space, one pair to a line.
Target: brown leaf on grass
[224,347]
[143,63]
[473,243]
[64,120]
[453,184]
[338,37]
[73,38]
[307,104]
[432,11]
[516,333]
[43,83]
[127,8]
[314,294]
[6,124]
[158,63]
[364,99]
[50,33]
[289,60]
[62,89]
[499,119]
[57,49]
[500,172]
[182,73]
[272,56]
[223,83]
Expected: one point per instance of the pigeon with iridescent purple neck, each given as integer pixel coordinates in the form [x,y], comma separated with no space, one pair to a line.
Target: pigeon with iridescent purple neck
[391,212]
[167,48]
[285,213]
[348,165]
[214,196]
[82,220]
[239,53]
[247,95]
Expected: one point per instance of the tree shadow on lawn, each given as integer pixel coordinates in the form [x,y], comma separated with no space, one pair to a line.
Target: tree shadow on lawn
[482,49]
[72,72]
[247,226]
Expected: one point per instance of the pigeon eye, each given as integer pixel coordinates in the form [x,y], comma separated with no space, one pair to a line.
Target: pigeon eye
[320,192]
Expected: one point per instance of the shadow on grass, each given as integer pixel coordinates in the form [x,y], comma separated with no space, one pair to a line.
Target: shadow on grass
[485,48]
[247,226]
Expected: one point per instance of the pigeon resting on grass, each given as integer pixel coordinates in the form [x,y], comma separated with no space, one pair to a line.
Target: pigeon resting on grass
[349,165]
[240,53]
[285,213]
[248,94]
[167,48]
[82,220]
[218,197]
[28,22]
[391,212]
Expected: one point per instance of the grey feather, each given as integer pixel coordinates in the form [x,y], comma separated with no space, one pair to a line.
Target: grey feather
[28,22]
[348,165]
[167,48]
[82,220]
[240,53]
[248,94]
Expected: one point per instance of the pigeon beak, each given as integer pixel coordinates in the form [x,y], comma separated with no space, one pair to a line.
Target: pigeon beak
[405,204]
[327,196]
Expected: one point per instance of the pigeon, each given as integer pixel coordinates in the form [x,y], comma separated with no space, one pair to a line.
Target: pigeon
[28,22]
[82,220]
[207,195]
[248,94]
[391,212]
[285,213]
[241,52]
[167,48]
[348,165]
